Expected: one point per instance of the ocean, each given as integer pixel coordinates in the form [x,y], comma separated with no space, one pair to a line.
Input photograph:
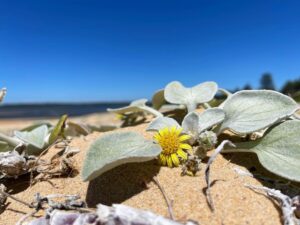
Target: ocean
[54,109]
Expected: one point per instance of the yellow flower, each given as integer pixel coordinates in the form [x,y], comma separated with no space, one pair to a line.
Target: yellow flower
[120,116]
[172,143]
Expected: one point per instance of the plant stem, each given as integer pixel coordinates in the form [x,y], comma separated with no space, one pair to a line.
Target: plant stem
[16,199]
[169,203]
[11,141]
[191,107]
[152,111]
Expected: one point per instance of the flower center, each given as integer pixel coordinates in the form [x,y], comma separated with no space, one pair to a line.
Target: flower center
[169,143]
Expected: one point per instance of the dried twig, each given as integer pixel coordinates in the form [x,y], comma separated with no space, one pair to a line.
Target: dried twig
[37,161]
[285,202]
[3,197]
[241,172]
[4,193]
[169,203]
[207,171]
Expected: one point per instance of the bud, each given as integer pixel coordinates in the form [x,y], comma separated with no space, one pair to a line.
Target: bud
[207,140]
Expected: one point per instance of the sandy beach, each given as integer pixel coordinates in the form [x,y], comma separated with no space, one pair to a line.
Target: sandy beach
[132,184]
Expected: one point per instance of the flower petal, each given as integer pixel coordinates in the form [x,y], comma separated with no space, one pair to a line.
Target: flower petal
[182,154]
[163,159]
[184,137]
[163,131]
[175,159]
[178,130]
[173,129]
[169,161]
[185,146]
[157,137]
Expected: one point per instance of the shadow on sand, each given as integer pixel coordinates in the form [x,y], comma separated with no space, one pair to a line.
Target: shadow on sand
[121,183]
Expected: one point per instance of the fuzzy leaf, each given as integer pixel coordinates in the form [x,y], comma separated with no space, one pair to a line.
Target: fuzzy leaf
[136,106]
[250,111]
[162,122]
[36,137]
[114,149]
[58,129]
[279,150]
[176,93]
[74,129]
[158,99]
[196,123]
[35,125]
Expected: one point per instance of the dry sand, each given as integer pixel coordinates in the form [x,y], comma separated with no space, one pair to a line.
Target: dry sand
[132,185]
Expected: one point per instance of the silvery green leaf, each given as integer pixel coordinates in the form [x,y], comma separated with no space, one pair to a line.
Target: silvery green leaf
[278,151]
[139,102]
[196,123]
[4,147]
[133,107]
[190,123]
[250,111]
[225,92]
[35,125]
[35,138]
[114,149]
[176,93]
[162,122]
[74,129]
[158,99]
[136,106]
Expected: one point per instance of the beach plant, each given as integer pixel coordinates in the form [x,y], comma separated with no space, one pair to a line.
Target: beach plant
[114,149]
[20,153]
[136,106]
[202,93]
[267,117]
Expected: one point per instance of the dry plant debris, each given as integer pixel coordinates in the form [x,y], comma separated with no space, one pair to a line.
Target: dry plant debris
[289,206]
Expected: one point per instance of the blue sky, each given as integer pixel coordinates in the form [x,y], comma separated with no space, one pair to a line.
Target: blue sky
[70,50]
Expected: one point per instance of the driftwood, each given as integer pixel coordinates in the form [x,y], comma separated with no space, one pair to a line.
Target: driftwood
[106,215]
[69,209]
[12,164]
[3,197]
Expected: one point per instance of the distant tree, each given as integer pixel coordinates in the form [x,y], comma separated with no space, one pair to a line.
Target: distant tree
[266,82]
[235,90]
[291,87]
[247,87]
